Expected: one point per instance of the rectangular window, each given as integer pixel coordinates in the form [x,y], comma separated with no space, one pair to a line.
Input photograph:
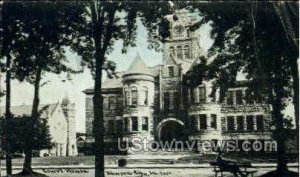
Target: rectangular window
[192,93]
[145,123]
[166,100]
[134,96]
[119,126]
[193,122]
[213,121]
[171,71]
[239,97]
[260,122]
[249,97]
[203,121]
[111,126]
[126,123]
[230,123]
[250,123]
[119,102]
[202,94]
[112,103]
[134,121]
[177,99]
[240,123]
[229,98]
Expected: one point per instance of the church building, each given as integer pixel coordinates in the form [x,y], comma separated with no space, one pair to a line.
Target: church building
[62,127]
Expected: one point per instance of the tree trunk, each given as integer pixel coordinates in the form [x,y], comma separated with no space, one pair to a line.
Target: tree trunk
[295,72]
[8,117]
[98,122]
[277,103]
[27,168]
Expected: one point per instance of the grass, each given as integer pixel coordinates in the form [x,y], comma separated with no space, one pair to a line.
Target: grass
[256,158]
[72,160]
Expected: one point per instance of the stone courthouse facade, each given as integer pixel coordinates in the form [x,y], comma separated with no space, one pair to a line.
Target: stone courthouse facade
[153,103]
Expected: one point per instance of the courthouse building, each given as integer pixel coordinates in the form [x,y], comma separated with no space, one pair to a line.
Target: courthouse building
[153,103]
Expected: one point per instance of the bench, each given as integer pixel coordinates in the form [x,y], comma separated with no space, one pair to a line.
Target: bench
[221,167]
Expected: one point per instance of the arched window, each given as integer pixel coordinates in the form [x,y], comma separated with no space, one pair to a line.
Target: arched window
[179,52]
[144,96]
[172,50]
[127,97]
[134,96]
[186,50]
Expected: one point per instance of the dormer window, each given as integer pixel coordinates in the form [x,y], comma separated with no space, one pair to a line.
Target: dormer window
[171,71]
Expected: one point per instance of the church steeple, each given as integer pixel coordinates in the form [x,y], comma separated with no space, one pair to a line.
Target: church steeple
[68,109]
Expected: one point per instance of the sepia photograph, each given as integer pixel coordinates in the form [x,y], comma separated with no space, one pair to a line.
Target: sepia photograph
[132,88]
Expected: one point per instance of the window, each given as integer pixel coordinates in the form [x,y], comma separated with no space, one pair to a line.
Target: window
[127,98]
[202,94]
[203,121]
[144,96]
[239,97]
[176,98]
[134,121]
[112,102]
[126,123]
[230,123]
[249,97]
[119,102]
[213,121]
[259,99]
[229,98]
[179,52]
[111,126]
[260,122]
[240,123]
[171,71]
[119,126]
[145,123]
[193,121]
[172,51]
[186,52]
[166,100]
[194,95]
[134,96]
[250,123]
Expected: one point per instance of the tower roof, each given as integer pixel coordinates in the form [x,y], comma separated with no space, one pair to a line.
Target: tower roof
[138,66]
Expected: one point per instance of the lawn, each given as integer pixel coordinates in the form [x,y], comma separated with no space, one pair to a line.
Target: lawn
[254,158]
[72,160]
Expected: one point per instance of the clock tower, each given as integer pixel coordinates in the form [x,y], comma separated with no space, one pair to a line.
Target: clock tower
[183,43]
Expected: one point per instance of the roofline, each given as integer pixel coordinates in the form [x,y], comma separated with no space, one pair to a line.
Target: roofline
[103,90]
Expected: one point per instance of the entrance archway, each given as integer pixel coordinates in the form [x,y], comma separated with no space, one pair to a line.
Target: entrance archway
[171,129]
